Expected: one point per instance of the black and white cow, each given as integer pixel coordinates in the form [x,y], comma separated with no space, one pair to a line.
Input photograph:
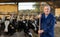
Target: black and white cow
[6,23]
[2,26]
[26,28]
[12,27]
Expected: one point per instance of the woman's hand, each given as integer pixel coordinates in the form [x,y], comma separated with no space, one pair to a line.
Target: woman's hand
[40,31]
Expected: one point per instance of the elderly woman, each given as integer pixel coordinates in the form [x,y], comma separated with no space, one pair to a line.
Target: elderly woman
[47,23]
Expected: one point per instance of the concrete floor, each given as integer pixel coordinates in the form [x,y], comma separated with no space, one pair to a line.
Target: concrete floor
[17,34]
[21,34]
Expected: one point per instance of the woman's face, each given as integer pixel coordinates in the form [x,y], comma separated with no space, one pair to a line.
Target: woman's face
[46,10]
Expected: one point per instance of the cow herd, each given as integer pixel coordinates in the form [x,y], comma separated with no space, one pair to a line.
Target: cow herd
[9,26]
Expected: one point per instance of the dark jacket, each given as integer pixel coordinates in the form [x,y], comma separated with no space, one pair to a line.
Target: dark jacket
[47,24]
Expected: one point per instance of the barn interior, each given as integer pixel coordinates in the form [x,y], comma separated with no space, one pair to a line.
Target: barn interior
[7,9]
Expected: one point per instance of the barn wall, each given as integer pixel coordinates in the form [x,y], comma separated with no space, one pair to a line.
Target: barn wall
[7,9]
[57,12]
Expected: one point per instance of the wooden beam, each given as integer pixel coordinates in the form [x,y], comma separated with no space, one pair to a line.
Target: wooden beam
[26,0]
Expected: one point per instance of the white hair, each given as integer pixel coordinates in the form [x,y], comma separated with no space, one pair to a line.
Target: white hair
[48,7]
